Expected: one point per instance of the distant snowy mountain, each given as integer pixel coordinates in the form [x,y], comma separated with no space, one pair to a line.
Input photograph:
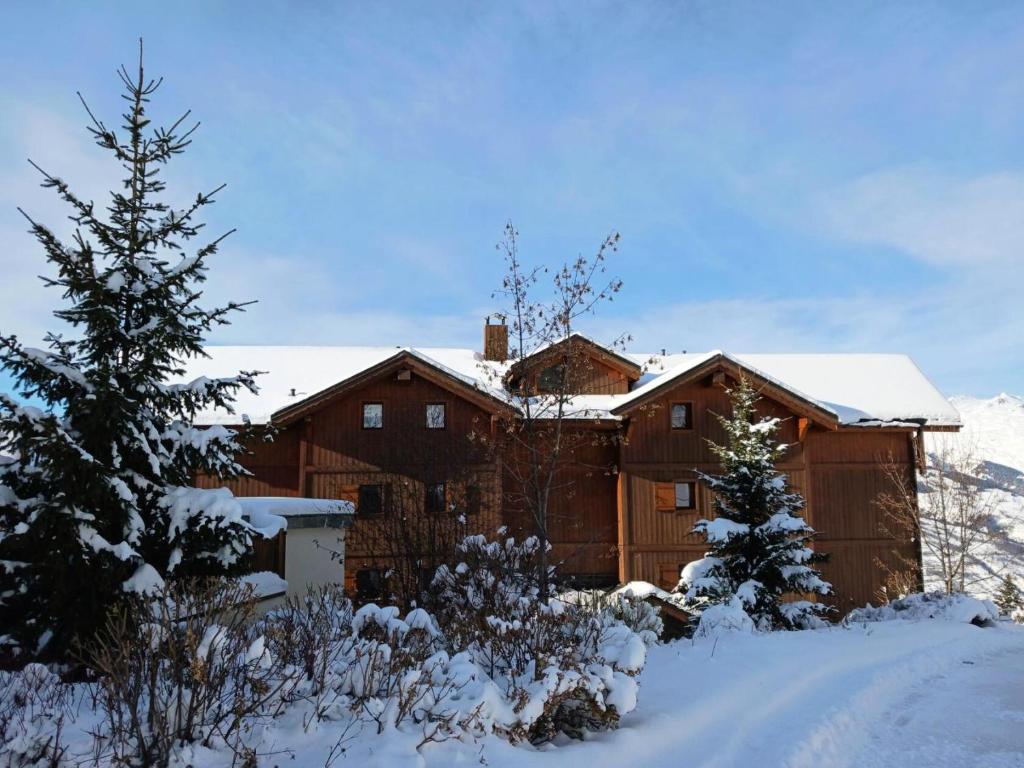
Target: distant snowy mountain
[993,433]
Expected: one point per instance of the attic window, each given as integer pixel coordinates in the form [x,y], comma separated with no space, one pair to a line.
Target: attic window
[435,415]
[373,415]
[550,379]
[682,415]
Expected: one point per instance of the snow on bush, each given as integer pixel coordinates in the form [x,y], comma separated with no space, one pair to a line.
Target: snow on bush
[637,614]
[930,605]
[724,617]
[33,707]
[550,668]
[189,673]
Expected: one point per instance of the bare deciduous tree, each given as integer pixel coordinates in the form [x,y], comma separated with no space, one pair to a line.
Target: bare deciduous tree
[419,529]
[946,511]
[542,432]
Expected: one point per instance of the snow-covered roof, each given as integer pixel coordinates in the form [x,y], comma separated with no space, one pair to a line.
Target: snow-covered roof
[864,389]
[867,389]
[291,374]
[272,514]
[289,506]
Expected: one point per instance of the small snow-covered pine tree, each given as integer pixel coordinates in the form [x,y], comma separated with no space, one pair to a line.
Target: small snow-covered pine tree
[758,541]
[95,496]
[1009,599]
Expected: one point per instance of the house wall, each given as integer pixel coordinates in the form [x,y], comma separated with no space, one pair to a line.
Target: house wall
[604,522]
[838,472]
[592,375]
[329,455]
[582,512]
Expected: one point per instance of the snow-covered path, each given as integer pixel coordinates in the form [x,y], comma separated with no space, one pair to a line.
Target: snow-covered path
[889,694]
[974,715]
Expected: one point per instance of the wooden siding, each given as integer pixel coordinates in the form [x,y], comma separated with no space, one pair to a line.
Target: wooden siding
[605,522]
[273,467]
[839,473]
[582,517]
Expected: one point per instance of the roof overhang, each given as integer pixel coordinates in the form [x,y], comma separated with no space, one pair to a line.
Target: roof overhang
[795,401]
[620,363]
[404,358]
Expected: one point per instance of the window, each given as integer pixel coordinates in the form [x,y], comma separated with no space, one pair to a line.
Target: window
[473,496]
[434,498]
[682,415]
[435,415]
[369,584]
[373,415]
[550,379]
[686,496]
[371,500]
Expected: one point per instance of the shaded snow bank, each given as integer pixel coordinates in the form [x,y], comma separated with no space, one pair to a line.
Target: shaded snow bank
[930,605]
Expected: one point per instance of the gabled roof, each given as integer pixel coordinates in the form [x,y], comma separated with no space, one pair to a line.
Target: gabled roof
[852,389]
[862,389]
[292,375]
[448,378]
[615,359]
[701,365]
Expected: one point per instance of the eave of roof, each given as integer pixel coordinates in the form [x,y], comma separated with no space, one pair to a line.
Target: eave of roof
[618,360]
[467,387]
[705,364]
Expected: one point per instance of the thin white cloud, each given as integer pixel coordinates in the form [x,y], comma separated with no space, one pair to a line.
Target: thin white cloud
[933,216]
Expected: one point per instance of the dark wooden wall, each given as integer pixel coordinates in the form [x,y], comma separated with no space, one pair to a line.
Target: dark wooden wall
[582,513]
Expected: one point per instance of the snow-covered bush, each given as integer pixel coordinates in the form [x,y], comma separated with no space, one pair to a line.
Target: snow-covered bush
[188,666]
[33,709]
[551,667]
[191,668]
[724,617]
[930,605]
[637,614]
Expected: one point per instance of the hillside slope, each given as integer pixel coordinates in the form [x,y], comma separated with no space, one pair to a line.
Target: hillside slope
[993,434]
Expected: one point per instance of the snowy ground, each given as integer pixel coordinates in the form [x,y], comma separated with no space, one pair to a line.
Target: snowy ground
[900,693]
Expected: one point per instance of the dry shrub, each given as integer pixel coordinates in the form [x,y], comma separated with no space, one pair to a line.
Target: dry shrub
[186,666]
[560,667]
[34,705]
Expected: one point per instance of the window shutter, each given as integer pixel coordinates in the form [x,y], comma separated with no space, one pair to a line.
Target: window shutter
[349,492]
[665,497]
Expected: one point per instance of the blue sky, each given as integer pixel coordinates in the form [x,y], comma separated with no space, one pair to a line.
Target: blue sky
[814,177]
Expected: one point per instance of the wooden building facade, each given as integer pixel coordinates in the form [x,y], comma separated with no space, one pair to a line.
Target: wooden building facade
[403,437]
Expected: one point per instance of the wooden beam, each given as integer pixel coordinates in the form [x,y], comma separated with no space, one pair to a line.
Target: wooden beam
[304,433]
[802,425]
[621,489]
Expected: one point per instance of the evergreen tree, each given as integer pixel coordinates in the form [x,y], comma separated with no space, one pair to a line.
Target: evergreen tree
[95,500]
[758,542]
[1009,599]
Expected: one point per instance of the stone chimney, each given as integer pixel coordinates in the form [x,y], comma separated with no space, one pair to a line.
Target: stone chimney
[496,340]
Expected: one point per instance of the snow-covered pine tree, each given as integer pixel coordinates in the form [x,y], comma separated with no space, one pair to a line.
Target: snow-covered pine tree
[94,486]
[1009,599]
[758,542]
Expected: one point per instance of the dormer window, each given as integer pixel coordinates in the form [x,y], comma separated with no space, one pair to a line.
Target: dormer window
[682,415]
[550,378]
[373,415]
